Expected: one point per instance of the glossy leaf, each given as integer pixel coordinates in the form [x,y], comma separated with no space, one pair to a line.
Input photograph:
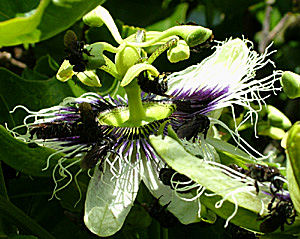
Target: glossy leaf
[42,22]
[34,94]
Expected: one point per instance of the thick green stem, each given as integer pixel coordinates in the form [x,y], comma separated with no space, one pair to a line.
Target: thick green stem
[3,193]
[136,109]
[161,49]
[20,218]
[164,233]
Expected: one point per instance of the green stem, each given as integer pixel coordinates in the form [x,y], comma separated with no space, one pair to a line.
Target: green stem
[20,218]
[164,233]
[3,191]
[161,49]
[136,110]
[155,230]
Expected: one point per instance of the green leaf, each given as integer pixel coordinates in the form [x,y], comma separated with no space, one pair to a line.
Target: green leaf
[46,66]
[20,218]
[57,19]
[178,16]
[22,157]
[293,166]
[42,22]
[34,94]
[22,29]
[6,117]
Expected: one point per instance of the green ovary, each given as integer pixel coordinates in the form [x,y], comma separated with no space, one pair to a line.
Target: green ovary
[153,111]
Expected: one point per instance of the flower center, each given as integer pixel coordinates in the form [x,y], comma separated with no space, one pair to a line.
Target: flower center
[154,111]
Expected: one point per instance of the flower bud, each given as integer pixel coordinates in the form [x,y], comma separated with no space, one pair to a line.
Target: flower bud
[290,83]
[277,118]
[93,18]
[196,35]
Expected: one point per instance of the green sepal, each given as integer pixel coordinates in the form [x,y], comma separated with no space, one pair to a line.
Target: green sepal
[293,165]
[179,52]
[65,71]
[277,118]
[135,70]
[230,154]
[27,158]
[290,83]
[89,78]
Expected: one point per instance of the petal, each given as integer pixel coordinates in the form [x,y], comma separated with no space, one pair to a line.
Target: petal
[65,71]
[185,211]
[89,78]
[225,68]
[109,198]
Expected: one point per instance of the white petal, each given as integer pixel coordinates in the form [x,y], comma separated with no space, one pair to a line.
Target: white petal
[109,198]
[224,68]
[185,211]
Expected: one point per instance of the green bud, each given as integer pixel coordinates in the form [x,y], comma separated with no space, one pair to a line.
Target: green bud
[92,18]
[197,35]
[126,58]
[293,166]
[277,118]
[179,52]
[290,83]
[272,132]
